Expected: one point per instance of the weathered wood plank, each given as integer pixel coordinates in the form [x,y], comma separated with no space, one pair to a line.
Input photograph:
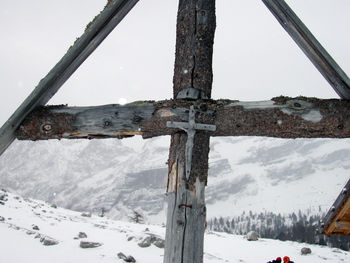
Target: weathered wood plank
[330,70]
[281,117]
[95,33]
[195,30]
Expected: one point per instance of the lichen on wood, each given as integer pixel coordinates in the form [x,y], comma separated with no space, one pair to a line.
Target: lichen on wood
[284,118]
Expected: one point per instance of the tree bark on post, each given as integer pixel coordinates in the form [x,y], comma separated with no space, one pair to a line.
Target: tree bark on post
[193,76]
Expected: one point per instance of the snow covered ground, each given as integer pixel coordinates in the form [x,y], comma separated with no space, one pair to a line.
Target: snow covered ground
[26,225]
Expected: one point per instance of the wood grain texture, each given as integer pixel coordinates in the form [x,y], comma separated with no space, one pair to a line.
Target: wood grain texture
[281,117]
[96,32]
[196,24]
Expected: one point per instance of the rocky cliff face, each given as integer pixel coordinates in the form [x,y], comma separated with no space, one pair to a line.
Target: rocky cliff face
[246,173]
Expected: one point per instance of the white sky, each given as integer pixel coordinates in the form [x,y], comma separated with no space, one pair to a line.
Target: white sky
[254,58]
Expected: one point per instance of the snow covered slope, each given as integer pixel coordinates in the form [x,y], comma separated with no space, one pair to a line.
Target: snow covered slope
[34,231]
[246,173]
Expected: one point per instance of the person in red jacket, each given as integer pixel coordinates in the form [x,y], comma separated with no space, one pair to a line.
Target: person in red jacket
[287,260]
[278,260]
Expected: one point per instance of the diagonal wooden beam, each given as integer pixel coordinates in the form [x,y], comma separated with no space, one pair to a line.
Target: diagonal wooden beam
[281,117]
[95,33]
[326,65]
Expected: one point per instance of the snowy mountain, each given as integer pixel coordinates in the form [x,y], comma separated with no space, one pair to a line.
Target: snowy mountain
[34,231]
[246,174]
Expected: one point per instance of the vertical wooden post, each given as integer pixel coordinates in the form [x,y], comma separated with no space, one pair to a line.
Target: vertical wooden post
[186,214]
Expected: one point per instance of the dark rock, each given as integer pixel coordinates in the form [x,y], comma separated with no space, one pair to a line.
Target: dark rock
[121,256]
[305,251]
[87,244]
[82,235]
[3,197]
[54,206]
[2,219]
[130,238]
[160,243]
[35,227]
[37,236]
[2,203]
[126,258]
[146,242]
[152,239]
[86,214]
[30,232]
[48,241]
[130,259]
[147,229]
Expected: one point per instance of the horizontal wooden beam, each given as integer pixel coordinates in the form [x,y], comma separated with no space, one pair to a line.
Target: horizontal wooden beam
[281,117]
[302,36]
[94,34]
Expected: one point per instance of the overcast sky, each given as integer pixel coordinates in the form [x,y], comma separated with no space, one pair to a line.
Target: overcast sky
[254,58]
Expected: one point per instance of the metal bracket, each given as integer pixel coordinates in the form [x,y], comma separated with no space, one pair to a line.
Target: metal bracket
[191,93]
[190,128]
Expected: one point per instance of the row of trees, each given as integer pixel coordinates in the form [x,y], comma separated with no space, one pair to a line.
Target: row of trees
[300,227]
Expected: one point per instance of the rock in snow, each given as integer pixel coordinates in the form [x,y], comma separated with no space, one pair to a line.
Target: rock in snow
[126,258]
[252,236]
[88,244]
[82,235]
[60,225]
[48,241]
[305,251]
[152,239]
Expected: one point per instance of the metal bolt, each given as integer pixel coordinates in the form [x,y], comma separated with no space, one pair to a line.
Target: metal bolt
[136,119]
[107,123]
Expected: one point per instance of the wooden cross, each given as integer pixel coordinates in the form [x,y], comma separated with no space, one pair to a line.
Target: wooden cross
[190,128]
[188,158]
